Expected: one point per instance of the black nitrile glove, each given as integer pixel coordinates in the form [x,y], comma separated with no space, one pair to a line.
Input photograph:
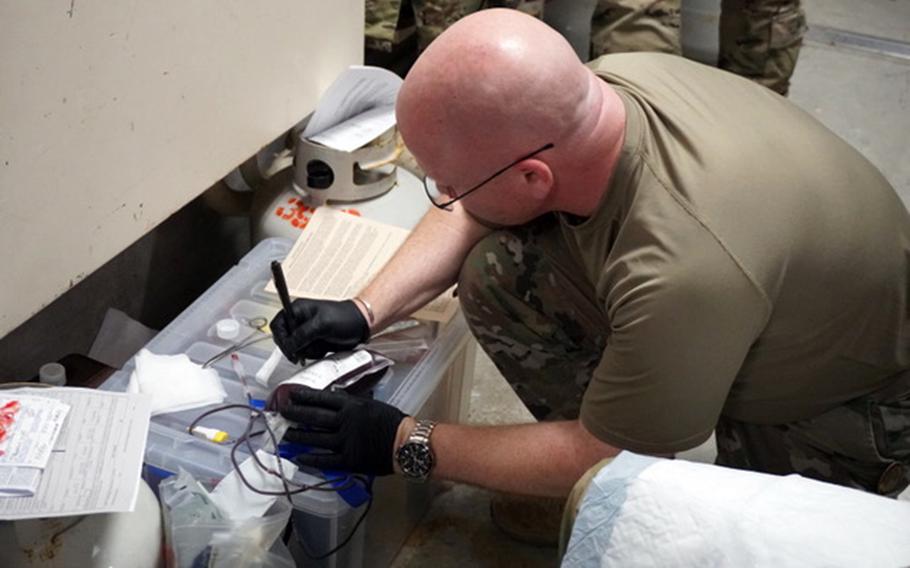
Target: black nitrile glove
[320,326]
[359,433]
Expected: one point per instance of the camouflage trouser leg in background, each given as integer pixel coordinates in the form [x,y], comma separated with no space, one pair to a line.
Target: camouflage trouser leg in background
[381,21]
[635,25]
[760,40]
[530,7]
[435,16]
[537,320]
[864,444]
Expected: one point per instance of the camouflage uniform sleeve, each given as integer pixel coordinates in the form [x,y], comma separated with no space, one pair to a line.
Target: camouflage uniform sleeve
[681,328]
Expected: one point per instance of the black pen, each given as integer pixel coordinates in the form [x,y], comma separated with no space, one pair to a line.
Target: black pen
[282,288]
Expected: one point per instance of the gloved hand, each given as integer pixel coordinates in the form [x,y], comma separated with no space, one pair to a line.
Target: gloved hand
[321,326]
[358,432]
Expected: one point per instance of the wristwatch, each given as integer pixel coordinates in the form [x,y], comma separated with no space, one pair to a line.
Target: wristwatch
[415,457]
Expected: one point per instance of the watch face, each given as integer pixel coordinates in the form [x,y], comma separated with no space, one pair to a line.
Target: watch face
[415,459]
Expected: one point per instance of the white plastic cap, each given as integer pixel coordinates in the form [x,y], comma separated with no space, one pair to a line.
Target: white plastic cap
[227,328]
[52,374]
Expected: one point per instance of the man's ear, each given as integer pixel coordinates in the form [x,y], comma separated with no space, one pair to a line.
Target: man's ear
[537,176]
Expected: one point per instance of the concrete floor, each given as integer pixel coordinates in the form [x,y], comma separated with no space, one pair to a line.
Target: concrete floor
[457,531]
[862,95]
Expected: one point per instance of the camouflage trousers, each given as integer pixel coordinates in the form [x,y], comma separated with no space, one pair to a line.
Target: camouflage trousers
[759,39]
[533,315]
[864,443]
[635,25]
[435,16]
[381,23]
[532,310]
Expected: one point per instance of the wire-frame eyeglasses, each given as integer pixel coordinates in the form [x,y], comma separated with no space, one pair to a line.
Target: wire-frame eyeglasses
[433,193]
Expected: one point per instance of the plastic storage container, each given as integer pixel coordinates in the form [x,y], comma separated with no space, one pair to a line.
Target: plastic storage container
[436,385]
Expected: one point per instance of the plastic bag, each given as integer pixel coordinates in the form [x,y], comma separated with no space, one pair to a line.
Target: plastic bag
[227,550]
[198,536]
[401,350]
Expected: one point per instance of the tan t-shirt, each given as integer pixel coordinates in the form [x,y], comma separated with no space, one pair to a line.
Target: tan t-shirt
[751,263]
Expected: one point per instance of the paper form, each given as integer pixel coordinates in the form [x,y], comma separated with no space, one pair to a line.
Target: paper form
[31,437]
[355,109]
[96,462]
[338,254]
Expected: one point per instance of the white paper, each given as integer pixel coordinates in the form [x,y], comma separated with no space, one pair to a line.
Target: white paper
[236,500]
[31,437]
[358,130]
[338,254]
[19,481]
[356,91]
[97,460]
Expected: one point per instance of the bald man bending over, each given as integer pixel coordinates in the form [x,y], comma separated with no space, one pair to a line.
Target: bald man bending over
[650,250]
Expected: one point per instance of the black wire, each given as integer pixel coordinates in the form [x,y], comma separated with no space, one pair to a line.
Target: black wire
[245,440]
[274,440]
[306,549]
[215,410]
[300,488]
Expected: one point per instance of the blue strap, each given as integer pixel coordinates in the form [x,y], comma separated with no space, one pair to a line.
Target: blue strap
[355,495]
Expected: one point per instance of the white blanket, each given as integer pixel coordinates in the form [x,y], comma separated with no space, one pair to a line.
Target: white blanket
[643,511]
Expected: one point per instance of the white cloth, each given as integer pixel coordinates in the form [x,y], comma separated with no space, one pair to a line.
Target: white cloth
[237,501]
[174,382]
[643,511]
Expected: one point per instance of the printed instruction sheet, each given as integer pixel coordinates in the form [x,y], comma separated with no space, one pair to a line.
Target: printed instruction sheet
[96,462]
[338,254]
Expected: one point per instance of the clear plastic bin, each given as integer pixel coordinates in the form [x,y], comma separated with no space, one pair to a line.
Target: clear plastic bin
[323,518]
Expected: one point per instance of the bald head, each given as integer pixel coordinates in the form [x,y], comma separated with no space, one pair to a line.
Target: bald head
[495,85]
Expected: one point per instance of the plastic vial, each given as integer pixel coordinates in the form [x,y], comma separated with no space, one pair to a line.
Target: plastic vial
[52,374]
[227,328]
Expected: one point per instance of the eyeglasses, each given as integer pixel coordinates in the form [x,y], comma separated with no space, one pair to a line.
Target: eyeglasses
[435,195]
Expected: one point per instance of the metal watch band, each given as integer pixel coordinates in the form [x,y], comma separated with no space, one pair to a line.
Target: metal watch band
[421,432]
[419,470]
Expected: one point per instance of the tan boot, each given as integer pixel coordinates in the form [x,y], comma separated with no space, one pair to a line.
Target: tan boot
[528,519]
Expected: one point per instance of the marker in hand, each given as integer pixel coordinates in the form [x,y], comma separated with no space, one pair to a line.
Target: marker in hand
[282,286]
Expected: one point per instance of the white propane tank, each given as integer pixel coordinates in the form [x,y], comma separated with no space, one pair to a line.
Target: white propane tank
[280,211]
[106,540]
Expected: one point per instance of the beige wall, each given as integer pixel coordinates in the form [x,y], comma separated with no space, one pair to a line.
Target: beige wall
[115,114]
